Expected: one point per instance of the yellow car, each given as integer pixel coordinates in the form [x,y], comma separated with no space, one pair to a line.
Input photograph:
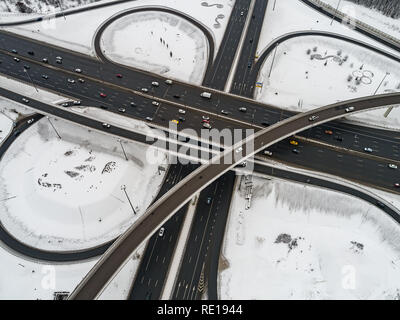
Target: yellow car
[175,121]
[294,142]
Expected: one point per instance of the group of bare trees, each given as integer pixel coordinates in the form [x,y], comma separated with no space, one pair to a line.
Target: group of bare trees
[390,8]
[29,6]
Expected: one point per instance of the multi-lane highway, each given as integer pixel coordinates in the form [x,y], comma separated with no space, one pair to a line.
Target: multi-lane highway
[172,201]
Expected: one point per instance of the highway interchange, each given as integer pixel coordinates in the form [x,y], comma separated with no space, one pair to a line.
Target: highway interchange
[342,157]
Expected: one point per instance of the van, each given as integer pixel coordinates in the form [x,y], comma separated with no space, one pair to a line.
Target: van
[206,95]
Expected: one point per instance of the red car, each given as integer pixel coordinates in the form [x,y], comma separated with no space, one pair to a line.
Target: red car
[103,95]
[330,132]
[118,75]
[205,121]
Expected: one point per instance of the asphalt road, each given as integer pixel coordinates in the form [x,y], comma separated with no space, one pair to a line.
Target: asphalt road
[201,178]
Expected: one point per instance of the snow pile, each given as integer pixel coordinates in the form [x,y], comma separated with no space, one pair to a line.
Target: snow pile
[69,194]
[299,242]
[313,71]
[180,48]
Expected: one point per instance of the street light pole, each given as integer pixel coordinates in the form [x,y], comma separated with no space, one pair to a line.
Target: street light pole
[53,127]
[333,16]
[387,73]
[26,71]
[123,188]
[120,142]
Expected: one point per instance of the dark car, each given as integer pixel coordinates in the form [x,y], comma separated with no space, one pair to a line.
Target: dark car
[31,53]
[339,138]
[380,204]
[265,124]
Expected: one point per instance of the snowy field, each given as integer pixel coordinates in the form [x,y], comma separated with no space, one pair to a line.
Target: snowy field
[69,33]
[369,16]
[293,15]
[68,194]
[302,242]
[180,47]
[313,71]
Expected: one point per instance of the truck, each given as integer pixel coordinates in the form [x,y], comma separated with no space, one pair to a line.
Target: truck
[206,95]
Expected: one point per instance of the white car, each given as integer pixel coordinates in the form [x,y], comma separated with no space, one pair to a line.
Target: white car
[181,111]
[77,103]
[78,70]
[106,125]
[240,149]
[25,100]
[349,109]
[369,150]
[168,81]
[268,153]
[145,90]
[30,121]
[206,125]
[312,118]
[161,232]
[155,84]
[392,166]
[155,103]
[149,118]
[71,81]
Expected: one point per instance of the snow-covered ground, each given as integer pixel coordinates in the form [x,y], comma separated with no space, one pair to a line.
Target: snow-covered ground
[302,242]
[68,194]
[367,15]
[313,71]
[70,34]
[180,47]
[40,6]
[293,15]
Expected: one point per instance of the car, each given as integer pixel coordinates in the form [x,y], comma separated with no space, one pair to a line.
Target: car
[380,204]
[181,111]
[81,80]
[205,121]
[206,125]
[240,149]
[77,102]
[133,104]
[14,51]
[103,95]
[31,53]
[253,16]
[161,232]
[206,118]
[241,13]
[330,132]
[369,150]
[313,118]
[155,84]
[243,109]
[122,110]
[65,104]
[296,151]
[243,164]
[45,76]
[206,95]
[106,125]
[71,80]
[392,166]
[155,103]
[118,75]
[59,58]
[175,121]
[149,118]
[349,109]
[145,90]
[396,185]
[177,96]
[209,200]
[249,65]
[339,138]
[25,100]
[77,70]
[104,107]
[182,119]
[17,133]
[59,61]
[169,81]
[268,153]
[265,124]
[45,60]
[26,67]
[30,121]
[16,59]
[251,40]
[224,112]
[294,143]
